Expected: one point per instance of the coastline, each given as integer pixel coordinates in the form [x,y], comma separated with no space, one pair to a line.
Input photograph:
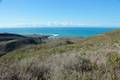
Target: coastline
[13,41]
[59,31]
[29,56]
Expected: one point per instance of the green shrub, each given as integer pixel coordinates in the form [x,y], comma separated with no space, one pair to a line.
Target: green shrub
[114,58]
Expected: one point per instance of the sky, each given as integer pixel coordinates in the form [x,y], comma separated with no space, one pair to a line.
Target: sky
[32,13]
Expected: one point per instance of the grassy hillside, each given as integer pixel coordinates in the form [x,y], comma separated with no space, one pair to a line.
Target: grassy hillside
[95,58]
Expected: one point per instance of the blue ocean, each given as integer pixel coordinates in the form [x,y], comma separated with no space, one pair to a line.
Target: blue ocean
[59,31]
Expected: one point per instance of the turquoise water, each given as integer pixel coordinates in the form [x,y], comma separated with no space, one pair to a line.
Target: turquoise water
[63,32]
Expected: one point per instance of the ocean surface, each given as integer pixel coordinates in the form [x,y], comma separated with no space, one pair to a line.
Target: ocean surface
[59,31]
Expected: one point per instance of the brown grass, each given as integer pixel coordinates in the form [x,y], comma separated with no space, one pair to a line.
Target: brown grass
[96,58]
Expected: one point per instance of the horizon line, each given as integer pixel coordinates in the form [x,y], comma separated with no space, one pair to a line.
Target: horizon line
[82,26]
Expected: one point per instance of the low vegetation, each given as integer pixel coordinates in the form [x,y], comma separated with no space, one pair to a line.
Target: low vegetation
[95,58]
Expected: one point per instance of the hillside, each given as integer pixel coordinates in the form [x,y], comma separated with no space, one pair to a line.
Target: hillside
[94,58]
[10,42]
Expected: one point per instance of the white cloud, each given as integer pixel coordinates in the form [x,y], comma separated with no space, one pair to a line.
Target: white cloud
[59,24]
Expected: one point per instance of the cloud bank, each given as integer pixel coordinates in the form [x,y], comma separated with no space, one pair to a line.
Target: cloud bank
[59,24]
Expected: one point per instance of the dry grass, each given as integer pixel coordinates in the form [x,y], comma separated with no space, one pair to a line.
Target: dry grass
[96,58]
[66,66]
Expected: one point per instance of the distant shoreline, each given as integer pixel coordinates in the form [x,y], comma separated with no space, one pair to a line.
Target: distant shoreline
[59,31]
